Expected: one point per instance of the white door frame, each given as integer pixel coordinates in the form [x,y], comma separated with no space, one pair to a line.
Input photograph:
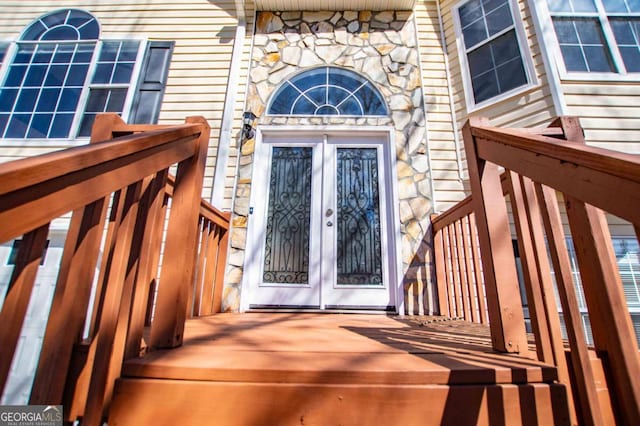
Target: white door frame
[252,262]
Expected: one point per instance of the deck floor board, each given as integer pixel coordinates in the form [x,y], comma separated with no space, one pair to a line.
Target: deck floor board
[337,348]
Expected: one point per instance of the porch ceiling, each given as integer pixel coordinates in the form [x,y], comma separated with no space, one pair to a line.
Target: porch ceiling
[282,5]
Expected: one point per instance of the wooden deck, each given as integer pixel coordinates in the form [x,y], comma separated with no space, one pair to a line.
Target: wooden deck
[262,369]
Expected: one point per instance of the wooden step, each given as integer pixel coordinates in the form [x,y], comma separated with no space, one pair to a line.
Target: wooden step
[270,369]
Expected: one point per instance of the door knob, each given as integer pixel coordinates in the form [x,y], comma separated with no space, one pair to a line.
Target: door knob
[329,223]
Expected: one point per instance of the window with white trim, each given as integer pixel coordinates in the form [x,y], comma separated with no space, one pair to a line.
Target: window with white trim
[598,36]
[491,49]
[61,75]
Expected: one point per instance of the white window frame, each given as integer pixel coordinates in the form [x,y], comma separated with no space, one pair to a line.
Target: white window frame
[551,42]
[74,138]
[525,54]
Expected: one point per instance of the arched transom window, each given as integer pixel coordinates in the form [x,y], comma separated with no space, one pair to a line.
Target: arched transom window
[327,91]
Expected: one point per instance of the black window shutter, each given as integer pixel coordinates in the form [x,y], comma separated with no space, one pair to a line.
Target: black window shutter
[153,78]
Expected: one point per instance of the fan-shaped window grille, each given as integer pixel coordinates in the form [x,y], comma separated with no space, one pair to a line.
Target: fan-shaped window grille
[68,24]
[327,91]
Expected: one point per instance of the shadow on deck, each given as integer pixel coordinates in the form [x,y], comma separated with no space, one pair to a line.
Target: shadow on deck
[256,369]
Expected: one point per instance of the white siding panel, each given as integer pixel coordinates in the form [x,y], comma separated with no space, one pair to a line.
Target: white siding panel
[440,120]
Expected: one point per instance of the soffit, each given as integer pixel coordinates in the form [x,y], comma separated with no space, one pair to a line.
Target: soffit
[339,5]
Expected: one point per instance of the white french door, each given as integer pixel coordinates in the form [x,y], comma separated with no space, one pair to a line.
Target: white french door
[318,229]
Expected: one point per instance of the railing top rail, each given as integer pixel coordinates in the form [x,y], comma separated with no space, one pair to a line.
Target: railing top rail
[615,163]
[461,209]
[26,172]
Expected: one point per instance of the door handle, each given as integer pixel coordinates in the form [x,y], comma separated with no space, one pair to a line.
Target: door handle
[329,223]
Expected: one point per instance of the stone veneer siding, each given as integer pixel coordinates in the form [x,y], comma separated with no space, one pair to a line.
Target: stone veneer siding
[381,46]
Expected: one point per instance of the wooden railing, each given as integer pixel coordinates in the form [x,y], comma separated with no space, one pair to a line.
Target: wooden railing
[121,206]
[537,166]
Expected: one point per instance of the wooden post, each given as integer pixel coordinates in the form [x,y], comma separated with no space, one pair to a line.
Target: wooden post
[181,244]
[613,332]
[501,280]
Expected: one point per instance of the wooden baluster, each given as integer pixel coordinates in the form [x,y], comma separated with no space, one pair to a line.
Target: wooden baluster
[532,279]
[477,269]
[472,286]
[200,282]
[151,238]
[213,242]
[113,321]
[503,295]
[18,295]
[440,261]
[585,386]
[464,282]
[221,263]
[180,249]
[451,289]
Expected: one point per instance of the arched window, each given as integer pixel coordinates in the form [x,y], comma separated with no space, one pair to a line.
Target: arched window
[328,91]
[61,75]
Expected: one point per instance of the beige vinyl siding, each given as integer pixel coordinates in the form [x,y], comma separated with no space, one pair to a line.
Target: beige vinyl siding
[204,34]
[608,112]
[531,108]
[447,181]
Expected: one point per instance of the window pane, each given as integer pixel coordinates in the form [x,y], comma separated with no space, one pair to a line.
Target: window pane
[122,73]
[598,59]
[626,32]
[35,76]
[342,79]
[350,107]
[77,75]
[505,48]
[499,19]
[474,33]
[40,126]
[634,5]
[631,57]
[303,107]
[27,100]
[318,95]
[565,31]
[84,52]
[470,12]
[109,51]
[16,74]
[511,75]
[69,99]
[4,119]
[116,100]
[615,6]
[61,126]
[63,54]
[61,33]
[17,127]
[43,54]
[129,51]
[310,79]
[490,5]
[97,100]
[480,60]
[56,75]
[24,54]
[34,31]
[283,99]
[337,95]
[103,73]
[48,100]
[589,32]
[485,86]
[56,18]
[573,58]
[7,98]
[87,123]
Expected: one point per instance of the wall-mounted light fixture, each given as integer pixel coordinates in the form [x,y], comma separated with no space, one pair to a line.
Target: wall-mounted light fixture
[248,132]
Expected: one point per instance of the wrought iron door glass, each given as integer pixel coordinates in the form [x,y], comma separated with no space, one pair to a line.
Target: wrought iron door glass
[358,222]
[286,258]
